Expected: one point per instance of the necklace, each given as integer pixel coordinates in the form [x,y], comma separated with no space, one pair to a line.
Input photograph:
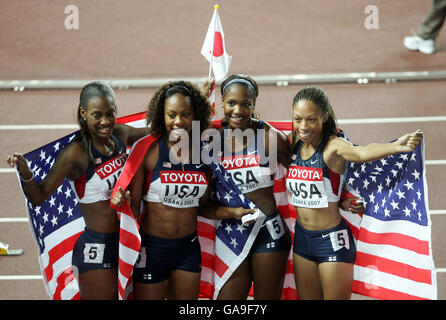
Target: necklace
[108,150]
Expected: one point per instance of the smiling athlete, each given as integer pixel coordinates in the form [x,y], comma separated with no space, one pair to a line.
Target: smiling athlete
[324,250]
[92,162]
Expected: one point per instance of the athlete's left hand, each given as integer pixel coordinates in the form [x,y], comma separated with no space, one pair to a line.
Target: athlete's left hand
[409,141]
[353,204]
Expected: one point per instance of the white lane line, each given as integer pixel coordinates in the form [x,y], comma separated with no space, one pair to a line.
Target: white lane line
[437,212]
[392,120]
[22,277]
[38,126]
[13,219]
[340,121]
[435,162]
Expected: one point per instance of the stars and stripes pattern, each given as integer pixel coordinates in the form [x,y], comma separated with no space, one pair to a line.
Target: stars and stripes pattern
[394,253]
[129,237]
[233,239]
[55,225]
[394,259]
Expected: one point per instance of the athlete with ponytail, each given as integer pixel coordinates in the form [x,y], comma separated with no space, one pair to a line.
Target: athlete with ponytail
[99,142]
[324,250]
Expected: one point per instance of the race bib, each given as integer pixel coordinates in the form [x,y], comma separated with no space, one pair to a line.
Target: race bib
[94,252]
[110,172]
[339,239]
[275,227]
[182,189]
[142,258]
[246,171]
[306,187]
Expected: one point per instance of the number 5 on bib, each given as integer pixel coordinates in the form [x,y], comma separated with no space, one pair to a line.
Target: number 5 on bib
[275,227]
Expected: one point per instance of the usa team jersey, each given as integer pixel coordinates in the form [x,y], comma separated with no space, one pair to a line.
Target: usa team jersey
[169,184]
[310,182]
[249,168]
[97,182]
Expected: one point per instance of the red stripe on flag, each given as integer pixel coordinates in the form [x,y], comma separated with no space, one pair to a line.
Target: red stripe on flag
[207,260]
[395,239]
[206,290]
[121,290]
[289,294]
[125,268]
[58,251]
[132,117]
[290,267]
[279,185]
[220,267]
[62,281]
[129,239]
[377,292]
[205,230]
[393,267]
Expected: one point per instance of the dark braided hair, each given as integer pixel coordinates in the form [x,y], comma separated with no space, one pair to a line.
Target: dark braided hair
[88,92]
[320,99]
[243,80]
[155,111]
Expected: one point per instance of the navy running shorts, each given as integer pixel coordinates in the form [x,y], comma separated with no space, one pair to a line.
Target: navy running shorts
[95,250]
[274,235]
[332,245]
[159,256]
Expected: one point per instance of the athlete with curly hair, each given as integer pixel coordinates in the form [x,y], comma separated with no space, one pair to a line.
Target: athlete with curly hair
[171,187]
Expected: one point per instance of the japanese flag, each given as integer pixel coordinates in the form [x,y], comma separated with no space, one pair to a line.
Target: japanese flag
[214,48]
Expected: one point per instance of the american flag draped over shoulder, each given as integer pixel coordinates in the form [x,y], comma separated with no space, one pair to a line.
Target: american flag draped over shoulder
[57,224]
[233,238]
[129,237]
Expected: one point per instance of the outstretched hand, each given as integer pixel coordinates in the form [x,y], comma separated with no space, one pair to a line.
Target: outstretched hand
[17,159]
[409,141]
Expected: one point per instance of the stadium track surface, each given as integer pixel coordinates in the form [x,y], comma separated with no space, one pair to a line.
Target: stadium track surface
[163,39]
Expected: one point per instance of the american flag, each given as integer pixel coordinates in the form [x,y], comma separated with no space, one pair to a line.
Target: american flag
[55,233]
[129,237]
[55,225]
[394,252]
[233,238]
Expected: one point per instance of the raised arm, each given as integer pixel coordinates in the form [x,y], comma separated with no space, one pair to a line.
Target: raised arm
[375,151]
[128,134]
[67,164]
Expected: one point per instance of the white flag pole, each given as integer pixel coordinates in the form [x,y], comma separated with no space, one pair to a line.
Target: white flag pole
[213,44]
